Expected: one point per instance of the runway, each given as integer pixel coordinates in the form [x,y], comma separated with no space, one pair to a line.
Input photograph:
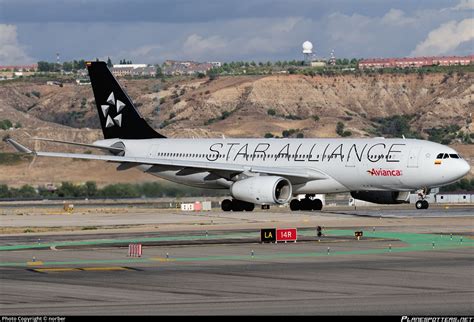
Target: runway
[396,269]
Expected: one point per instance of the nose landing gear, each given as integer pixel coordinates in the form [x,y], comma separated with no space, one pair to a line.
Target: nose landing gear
[422,203]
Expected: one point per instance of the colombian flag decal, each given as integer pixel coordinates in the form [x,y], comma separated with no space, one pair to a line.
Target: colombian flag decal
[437,161]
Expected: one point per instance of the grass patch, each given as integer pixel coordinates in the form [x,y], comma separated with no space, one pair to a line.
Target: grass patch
[7,158]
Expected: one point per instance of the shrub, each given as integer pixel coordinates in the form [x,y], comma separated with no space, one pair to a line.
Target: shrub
[340,128]
[5,124]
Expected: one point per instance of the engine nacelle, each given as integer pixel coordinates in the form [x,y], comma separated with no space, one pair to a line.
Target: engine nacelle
[382,197]
[262,190]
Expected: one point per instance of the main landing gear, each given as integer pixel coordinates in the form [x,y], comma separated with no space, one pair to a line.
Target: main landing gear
[306,204]
[236,205]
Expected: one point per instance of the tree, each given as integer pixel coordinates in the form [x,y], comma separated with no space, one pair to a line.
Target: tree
[91,189]
[67,66]
[43,66]
[27,191]
[109,63]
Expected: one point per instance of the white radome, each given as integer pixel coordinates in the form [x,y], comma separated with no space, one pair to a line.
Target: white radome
[307,47]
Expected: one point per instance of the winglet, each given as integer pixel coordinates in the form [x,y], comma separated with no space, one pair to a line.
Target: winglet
[19,147]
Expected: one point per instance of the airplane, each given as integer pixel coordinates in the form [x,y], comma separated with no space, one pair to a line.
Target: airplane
[265,171]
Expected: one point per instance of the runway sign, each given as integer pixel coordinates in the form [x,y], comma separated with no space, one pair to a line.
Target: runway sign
[135,250]
[268,235]
[289,234]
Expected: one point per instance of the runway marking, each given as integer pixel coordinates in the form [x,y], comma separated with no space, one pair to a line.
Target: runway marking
[59,269]
[161,259]
[79,269]
[38,263]
[104,269]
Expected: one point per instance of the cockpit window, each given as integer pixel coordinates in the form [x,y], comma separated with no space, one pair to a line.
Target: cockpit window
[454,156]
[440,156]
[446,156]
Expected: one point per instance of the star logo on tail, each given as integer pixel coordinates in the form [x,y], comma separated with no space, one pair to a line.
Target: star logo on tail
[119,106]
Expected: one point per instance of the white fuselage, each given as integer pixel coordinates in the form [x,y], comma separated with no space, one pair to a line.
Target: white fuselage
[349,164]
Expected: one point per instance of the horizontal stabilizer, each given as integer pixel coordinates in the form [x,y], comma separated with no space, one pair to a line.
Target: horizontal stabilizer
[108,148]
[18,146]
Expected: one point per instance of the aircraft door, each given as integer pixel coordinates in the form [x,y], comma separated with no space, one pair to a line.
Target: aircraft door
[153,153]
[413,157]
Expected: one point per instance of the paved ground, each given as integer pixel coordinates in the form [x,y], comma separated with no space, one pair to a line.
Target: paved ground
[397,269]
[421,283]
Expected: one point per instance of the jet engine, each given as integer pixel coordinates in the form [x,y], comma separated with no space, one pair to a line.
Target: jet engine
[382,197]
[262,190]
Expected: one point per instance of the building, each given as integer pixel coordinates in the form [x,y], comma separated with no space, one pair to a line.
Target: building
[175,67]
[215,63]
[133,70]
[455,197]
[415,62]
[130,65]
[318,63]
[19,68]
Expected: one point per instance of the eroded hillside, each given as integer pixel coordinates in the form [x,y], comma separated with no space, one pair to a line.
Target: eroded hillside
[244,106]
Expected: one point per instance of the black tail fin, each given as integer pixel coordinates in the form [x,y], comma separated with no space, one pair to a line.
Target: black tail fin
[118,116]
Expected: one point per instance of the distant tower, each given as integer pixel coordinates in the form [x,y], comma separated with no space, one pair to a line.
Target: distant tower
[332,60]
[57,58]
[307,52]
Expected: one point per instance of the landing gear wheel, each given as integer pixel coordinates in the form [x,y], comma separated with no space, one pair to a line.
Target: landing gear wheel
[248,206]
[422,204]
[226,205]
[316,204]
[295,205]
[306,204]
[237,205]
[425,204]
[419,204]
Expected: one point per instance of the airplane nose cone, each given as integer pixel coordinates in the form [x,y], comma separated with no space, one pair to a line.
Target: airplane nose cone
[465,168]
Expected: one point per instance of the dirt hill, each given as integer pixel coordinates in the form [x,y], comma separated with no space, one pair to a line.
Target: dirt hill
[244,106]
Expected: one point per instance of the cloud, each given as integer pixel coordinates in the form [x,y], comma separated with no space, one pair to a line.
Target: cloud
[465,5]
[197,45]
[258,30]
[397,17]
[11,52]
[446,38]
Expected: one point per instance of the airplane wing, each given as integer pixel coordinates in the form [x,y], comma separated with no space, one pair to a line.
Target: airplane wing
[305,174]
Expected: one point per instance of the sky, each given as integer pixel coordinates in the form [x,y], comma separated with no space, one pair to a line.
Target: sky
[151,31]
